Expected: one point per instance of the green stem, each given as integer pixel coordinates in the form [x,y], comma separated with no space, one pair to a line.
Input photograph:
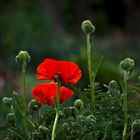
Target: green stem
[57,110]
[91,73]
[132,131]
[55,123]
[24,96]
[125,106]
[24,83]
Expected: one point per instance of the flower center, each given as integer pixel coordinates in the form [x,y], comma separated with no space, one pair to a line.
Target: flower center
[57,78]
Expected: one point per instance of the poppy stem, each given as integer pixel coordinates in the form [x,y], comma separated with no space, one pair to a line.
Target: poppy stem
[90,71]
[24,95]
[57,109]
[125,106]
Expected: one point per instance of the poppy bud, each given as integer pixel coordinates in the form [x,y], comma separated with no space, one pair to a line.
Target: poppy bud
[79,104]
[87,27]
[43,130]
[113,87]
[91,118]
[11,118]
[23,56]
[66,127]
[33,105]
[7,101]
[90,121]
[127,64]
[74,111]
[35,135]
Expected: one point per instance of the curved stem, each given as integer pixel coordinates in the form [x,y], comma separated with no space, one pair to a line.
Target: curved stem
[54,125]
[125,106]
[57,110]
[132,131]
[91,73]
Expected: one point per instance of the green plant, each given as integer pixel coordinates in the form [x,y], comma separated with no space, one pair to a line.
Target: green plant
[106,112]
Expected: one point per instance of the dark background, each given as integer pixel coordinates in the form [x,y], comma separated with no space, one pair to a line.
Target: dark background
[52,28]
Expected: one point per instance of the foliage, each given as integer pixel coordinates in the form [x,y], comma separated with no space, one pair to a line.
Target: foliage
[101,112]
[106,123]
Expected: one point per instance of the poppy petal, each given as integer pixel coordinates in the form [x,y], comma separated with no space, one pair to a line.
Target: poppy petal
[65,94]
[68,72]
[46,92]
[38,94]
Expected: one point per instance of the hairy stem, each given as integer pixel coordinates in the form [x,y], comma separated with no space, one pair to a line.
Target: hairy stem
[125,106]
[57,110]
[24,96]
[90,71]
[54,125]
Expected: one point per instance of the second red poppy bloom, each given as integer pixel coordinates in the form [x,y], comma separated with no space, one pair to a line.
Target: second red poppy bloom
[47,92]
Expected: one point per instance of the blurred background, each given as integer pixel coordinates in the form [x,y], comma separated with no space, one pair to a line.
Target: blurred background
[52,28]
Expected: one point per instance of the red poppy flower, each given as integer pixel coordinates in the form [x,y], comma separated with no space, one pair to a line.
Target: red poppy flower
[46,92]
[68,72]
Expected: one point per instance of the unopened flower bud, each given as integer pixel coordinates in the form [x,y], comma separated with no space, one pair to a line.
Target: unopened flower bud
[66,127]
[87,27]
[11,118]
[79,104]
[23,56]
[81,120]
[43,130]
[113,87]
[7,101]
[33,105]
[127,64]
[91,118]
[74,111]
[90,121]
[35,135]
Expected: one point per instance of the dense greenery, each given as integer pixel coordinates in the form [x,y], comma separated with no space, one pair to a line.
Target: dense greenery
[101,111]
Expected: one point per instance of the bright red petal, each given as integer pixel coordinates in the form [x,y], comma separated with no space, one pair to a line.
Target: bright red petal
[38,94]
[46,70]
[46,93]
[65,94]
[68,72]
